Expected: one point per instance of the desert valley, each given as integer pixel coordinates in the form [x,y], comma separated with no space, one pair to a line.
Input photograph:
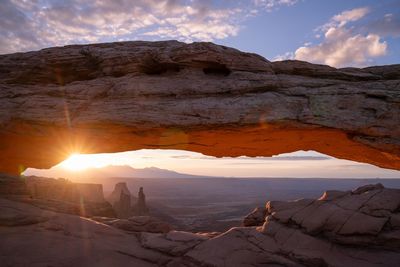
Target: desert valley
[187,133]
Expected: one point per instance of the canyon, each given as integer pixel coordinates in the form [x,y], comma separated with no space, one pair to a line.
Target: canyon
[357,227]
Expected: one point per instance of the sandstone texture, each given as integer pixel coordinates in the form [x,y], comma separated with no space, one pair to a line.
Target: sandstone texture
[354,228]
[201,97]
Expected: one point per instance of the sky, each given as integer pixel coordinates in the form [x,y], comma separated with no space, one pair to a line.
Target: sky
[338,33]
[300,164]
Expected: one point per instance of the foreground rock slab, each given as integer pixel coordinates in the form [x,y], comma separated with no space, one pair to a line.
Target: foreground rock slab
[200,97]
[68,240]
[354,228]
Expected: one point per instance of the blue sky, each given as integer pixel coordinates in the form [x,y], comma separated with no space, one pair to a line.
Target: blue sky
[338,33]
[286,28]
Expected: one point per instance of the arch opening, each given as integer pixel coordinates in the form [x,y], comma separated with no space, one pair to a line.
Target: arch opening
[195,192]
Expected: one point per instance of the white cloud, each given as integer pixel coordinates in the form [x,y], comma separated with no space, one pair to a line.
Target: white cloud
[285,56]
[343,46]
[269,5]
[27,25]
[34,24]
[350,15]
[219,25]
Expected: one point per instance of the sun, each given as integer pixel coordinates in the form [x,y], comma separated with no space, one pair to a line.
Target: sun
[78,162]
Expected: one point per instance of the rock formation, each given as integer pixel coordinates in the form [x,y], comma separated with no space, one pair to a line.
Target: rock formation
[354,228]
[57,194]
[120,199]
[64,190]
[256,217]
[11,185]
[140,208]
[200,97]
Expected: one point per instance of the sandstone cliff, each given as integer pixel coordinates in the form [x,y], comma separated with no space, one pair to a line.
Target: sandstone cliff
[199,97]
[59,195]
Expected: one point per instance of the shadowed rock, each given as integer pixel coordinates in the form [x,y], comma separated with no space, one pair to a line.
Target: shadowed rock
[256,217]
[120,199]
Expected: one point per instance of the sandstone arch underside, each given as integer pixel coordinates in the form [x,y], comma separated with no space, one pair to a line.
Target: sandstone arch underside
[200,97]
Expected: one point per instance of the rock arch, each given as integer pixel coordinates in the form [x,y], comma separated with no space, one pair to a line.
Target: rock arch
[201,97]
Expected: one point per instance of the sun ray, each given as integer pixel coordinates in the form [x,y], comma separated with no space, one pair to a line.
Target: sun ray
[79,162]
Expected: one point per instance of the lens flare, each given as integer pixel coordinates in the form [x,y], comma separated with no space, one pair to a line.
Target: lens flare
[78,162]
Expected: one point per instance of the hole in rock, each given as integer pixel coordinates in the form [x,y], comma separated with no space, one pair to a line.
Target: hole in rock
[194,192]
[215,68]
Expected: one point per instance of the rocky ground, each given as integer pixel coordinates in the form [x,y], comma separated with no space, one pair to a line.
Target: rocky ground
[354,228]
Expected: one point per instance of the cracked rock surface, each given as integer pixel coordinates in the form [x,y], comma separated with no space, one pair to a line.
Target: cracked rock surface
[353,228]
[200,97]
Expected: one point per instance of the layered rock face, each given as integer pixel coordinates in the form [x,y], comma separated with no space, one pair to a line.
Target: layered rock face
[355,228]
[57,194]
[200,97]
[64,190]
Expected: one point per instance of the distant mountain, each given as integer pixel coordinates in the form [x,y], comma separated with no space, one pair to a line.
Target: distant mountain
[123,171]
